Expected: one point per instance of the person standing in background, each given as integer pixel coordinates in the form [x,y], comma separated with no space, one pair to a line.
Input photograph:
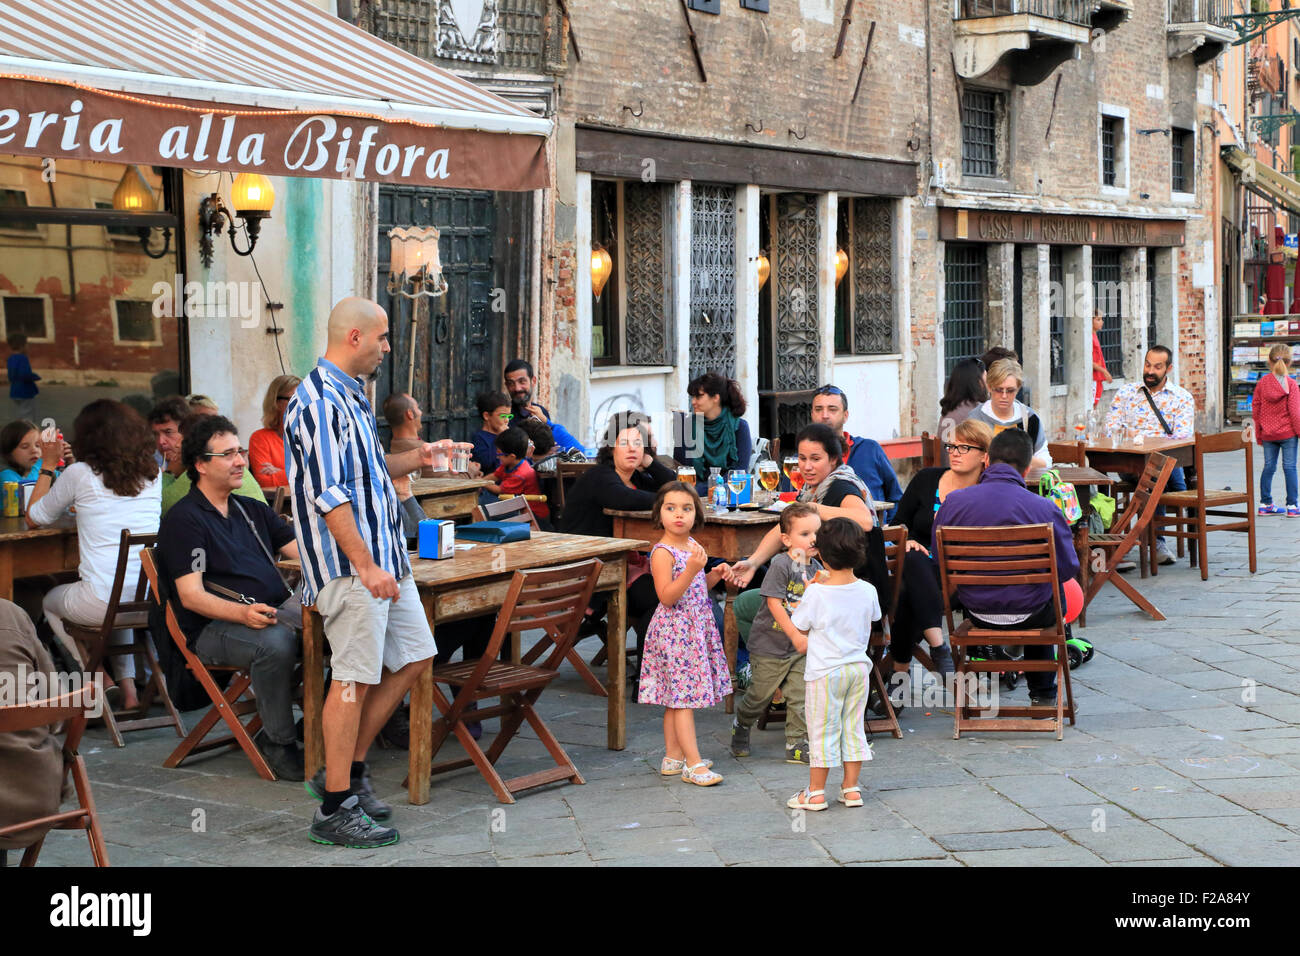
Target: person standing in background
[22,380]
[1099,372]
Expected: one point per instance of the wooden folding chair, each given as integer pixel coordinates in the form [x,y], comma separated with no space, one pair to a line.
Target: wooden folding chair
[228,706]
[514,508]
[552,599]
[1068,452]
[566,471]
[882,668]
[1131,528]
[133,616]
[71,709]
[282,502]
[1003,556]
[1193,507]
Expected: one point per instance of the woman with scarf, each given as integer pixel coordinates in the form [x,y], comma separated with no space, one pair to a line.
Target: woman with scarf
[723,442]
[837,492]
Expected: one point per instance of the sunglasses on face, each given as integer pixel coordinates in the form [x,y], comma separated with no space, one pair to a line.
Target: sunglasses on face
[960,449]
[506,417]
[830,390]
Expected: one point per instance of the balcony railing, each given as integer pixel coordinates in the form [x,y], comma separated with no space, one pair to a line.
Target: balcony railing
[1214,12]
[1070,11]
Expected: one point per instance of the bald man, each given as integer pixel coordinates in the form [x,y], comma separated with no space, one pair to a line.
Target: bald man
[355,566]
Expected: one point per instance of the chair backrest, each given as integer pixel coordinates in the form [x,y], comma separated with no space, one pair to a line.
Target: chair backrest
[1214,444]
[552,600]
[1145,498]
[1068,452]
[514,508]
[149,564]
[140,603]
[895,549]
[567,470]
[995,557]
[70,709]
[931,450]
[281,502]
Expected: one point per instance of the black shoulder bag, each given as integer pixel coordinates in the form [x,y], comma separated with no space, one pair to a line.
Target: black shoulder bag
[1169,432]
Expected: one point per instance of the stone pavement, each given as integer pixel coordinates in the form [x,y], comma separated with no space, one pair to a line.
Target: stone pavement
[1186,753]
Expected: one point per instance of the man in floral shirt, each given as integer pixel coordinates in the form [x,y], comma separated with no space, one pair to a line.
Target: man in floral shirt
[1131,410]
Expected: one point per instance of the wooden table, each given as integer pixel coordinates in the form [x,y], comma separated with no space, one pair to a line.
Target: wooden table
[448,497]
[473,582]
[1127,458]
[729,536]
[1074,474]
[25,551]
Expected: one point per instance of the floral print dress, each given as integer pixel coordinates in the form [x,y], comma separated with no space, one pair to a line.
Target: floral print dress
[683,664]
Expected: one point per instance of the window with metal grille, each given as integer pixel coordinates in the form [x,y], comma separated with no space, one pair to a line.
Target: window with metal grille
[1056,305]
[604,310]
[965,303]
[522,31]
[1109,136]
[1182,160]
[864,297]
[1152,337]
[1108,299]
[979,133]
[25,314]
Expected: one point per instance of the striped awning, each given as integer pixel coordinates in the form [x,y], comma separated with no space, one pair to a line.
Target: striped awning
[273,86]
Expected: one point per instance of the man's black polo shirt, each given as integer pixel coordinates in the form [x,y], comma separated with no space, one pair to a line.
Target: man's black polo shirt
[228,555]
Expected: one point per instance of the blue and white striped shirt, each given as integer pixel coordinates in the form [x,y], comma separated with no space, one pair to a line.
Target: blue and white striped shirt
[335,458]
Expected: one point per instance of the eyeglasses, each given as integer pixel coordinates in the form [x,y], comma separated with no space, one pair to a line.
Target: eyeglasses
[283,398]
[1004,391]
[506,417]
[241,452]
[960,449]
[830,390]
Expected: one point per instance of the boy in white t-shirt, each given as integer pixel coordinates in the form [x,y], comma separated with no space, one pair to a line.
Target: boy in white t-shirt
[832,626]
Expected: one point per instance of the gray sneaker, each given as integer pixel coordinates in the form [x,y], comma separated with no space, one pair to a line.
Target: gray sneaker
[375,808]
[797,753]
[739,740]
[350,826]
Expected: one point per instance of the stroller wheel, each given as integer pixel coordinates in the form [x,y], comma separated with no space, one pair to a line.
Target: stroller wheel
[1009,681]
[1075,655]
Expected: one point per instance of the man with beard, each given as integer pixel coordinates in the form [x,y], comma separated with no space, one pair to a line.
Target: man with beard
[1157,409]
[520,382]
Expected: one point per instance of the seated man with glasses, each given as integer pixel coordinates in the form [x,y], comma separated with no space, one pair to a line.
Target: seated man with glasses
[830,406]
[176,479]
[217,550]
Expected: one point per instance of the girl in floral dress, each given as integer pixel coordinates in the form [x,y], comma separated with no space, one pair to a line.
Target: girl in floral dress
[683,666]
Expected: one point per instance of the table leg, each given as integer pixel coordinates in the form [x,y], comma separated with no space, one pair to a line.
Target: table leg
[730,642]
[313,691]
[421,742]
[616,669]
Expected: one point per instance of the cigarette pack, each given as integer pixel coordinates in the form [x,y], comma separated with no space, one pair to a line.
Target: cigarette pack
[437,539]
[1266,329]
[1243,353]
[1293,327]
[1246,330]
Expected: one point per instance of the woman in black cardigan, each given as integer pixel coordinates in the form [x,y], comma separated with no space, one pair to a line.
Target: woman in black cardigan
[625,478]
[920,610]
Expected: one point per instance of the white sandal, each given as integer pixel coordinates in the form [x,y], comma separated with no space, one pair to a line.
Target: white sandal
[856,801]
[671,767]
[701,775]
[800,801]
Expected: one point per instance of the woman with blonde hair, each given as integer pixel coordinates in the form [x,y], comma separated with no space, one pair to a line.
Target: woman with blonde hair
[266,445]
[1002,411]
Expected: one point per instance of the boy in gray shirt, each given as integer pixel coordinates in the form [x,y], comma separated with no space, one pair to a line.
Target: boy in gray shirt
[774,662]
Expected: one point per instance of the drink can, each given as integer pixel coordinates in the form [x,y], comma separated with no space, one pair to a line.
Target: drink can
[11,499]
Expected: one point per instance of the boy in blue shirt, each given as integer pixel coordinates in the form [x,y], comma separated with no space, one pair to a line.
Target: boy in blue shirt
[22,380]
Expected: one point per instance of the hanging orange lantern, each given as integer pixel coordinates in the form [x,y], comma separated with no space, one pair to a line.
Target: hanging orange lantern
[764,270]
[601,267]
[841,264]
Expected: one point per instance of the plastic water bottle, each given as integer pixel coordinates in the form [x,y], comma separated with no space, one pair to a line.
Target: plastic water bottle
[717,491]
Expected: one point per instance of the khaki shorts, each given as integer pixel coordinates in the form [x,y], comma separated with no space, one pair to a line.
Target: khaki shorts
[367,634]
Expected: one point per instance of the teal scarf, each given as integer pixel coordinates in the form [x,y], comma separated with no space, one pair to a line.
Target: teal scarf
[719,444]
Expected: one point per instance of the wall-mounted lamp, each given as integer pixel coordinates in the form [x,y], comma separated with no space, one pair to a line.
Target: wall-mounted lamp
[414,263]
[841,264]
[764,269]
[134,195]
[601,267]
[252,196]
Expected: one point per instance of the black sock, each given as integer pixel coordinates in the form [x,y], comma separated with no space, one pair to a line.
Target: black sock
[332,800]
[358,768]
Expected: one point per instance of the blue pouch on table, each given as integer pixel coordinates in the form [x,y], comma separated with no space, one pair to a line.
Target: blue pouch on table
[495,532]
